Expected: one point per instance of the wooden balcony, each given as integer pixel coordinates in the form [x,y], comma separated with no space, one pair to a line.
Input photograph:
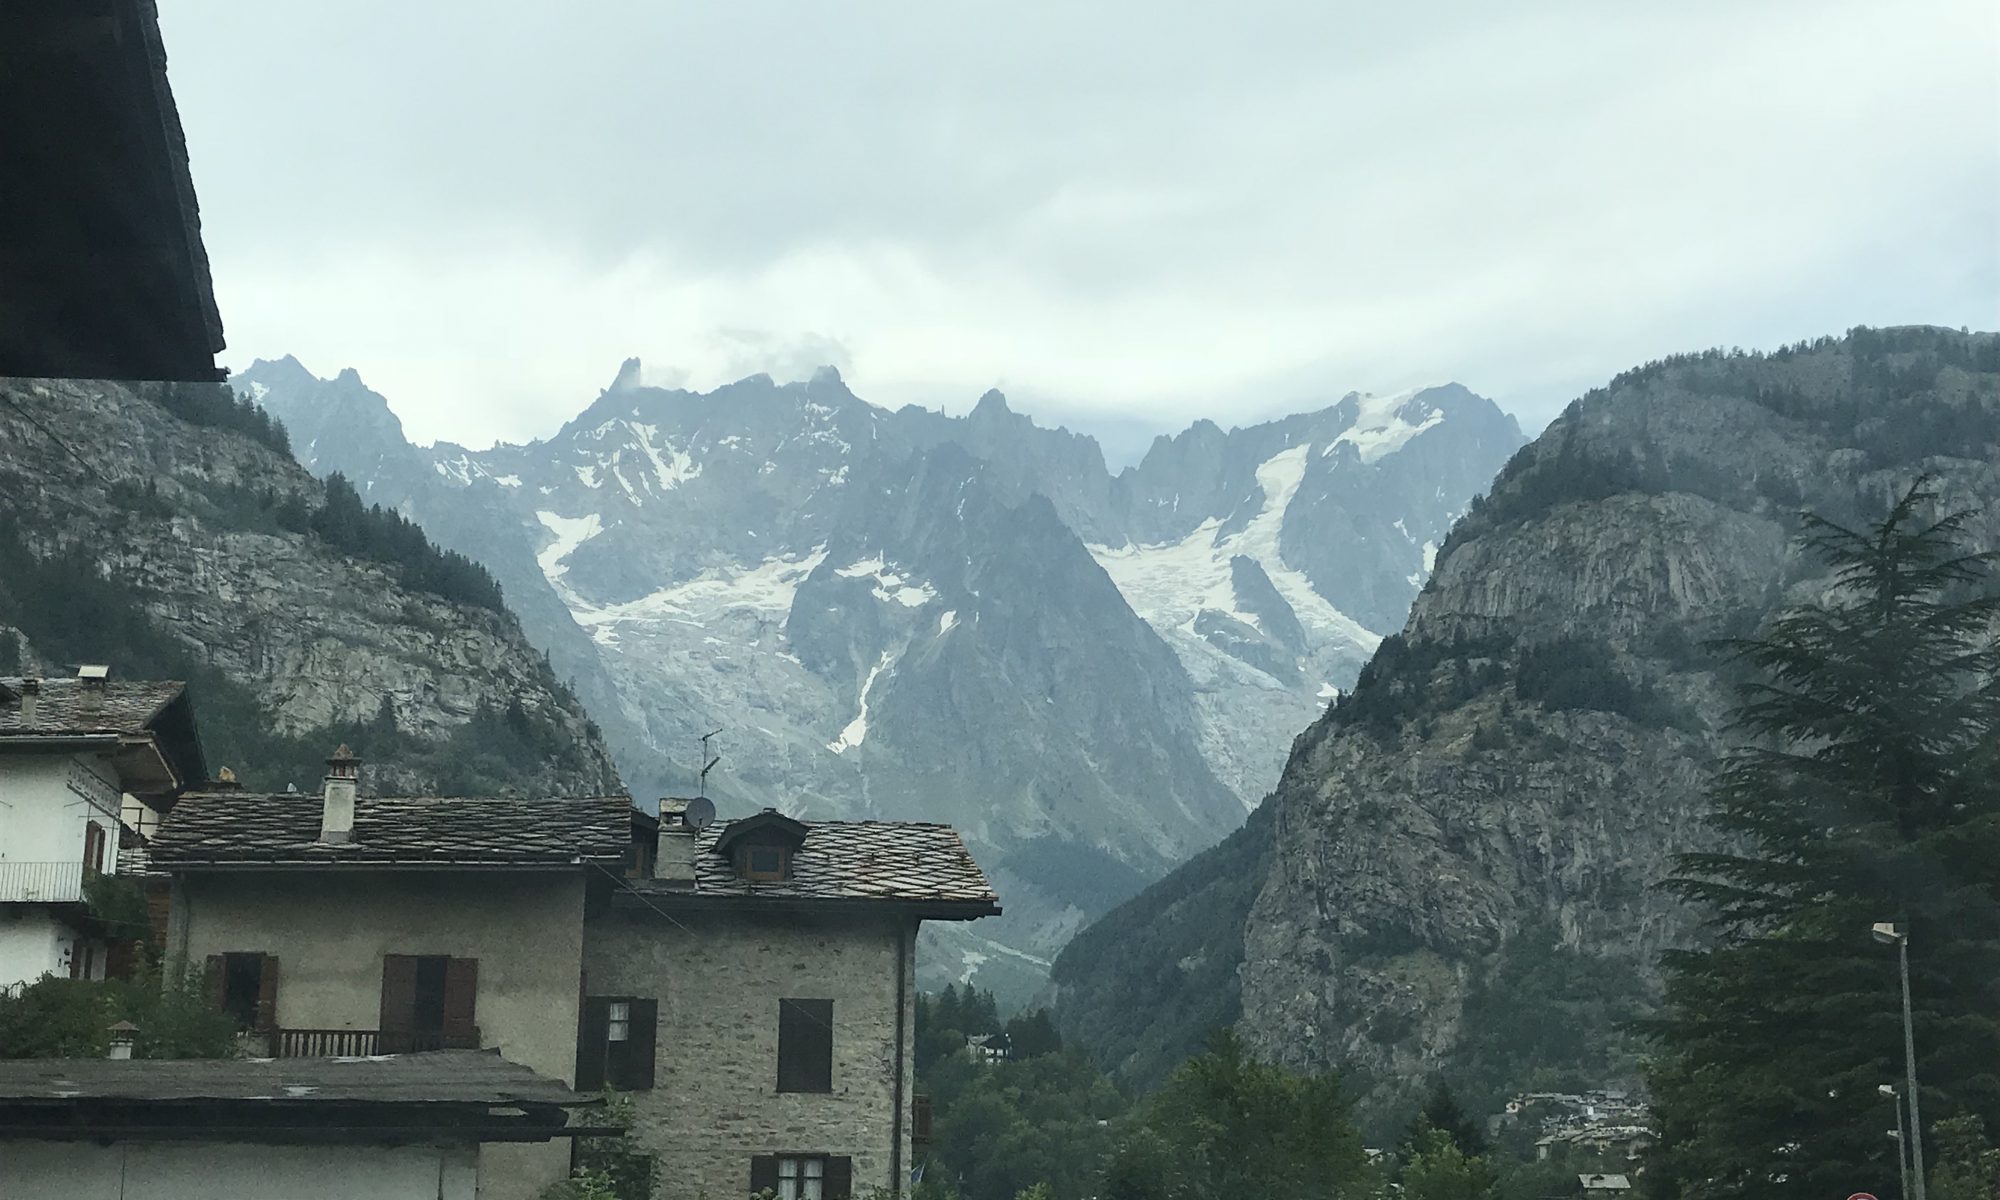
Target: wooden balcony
[360,1043]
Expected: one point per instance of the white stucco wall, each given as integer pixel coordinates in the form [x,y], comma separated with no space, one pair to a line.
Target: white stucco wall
[46,800]
[235,1171]
[330,931]
[42,816]
[718,978]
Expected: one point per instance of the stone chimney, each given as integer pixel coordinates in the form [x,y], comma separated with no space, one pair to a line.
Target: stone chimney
[343,776]
[31,701]
[673,860]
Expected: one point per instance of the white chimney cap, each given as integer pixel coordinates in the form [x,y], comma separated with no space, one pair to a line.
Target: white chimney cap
[98,671]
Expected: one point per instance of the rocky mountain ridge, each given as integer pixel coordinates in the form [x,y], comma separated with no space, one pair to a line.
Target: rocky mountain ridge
[152,528]
[966,619]
[1455,873]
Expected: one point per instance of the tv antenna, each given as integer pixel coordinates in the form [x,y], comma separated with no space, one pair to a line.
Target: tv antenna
[708,762]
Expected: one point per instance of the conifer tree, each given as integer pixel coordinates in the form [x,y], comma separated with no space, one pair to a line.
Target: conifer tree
[1863,789]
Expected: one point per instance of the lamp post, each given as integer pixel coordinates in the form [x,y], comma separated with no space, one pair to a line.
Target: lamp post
[1890,934]
[1888,1090]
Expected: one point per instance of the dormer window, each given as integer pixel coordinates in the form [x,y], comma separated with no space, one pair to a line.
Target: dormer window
[764,862]
[762,848]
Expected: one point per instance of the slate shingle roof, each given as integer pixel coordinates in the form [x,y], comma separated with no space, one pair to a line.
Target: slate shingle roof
[72,706]
[438,1077]
[854,860]
[282,829]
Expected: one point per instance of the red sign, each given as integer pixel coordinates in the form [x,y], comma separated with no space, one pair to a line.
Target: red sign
[1861,1196]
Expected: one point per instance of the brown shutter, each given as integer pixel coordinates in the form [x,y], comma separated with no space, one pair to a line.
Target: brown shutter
[461,990]
[399,1001]
[267,993]
[805,1045]
[213,980]
[639,1048]
[591,1027]
[839,1183]
[763,1173]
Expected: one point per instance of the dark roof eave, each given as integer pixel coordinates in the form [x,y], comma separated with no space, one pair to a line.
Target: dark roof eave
[307,864]
[929,910]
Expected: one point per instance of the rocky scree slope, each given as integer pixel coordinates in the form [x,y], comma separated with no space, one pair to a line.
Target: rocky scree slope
[165,530]
[1456,871]
[967,619]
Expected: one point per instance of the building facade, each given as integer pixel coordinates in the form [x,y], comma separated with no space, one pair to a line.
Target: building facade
[753,989]
[81,760]
[339,925]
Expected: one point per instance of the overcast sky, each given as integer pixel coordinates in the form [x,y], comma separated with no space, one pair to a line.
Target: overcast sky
[1125,215]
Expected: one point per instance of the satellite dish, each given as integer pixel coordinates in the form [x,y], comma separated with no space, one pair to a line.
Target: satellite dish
[699,812]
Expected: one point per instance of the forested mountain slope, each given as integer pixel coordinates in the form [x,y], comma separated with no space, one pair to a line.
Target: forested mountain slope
[166,530]
[1456,871]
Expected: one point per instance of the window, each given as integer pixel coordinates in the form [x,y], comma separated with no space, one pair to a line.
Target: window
[803,1176]
[93,847]
[805,1045]
[245,985]
[614,1043]
[764,862]
[428,1003]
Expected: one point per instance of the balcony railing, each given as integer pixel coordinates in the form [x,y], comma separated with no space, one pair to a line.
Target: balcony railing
[41,882]
[359,1043]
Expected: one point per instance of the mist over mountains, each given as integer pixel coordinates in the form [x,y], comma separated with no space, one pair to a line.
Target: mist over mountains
[966,619]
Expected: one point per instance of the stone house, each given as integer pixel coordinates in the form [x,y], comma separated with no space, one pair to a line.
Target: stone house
[83,763]
[752,985]
[341,925]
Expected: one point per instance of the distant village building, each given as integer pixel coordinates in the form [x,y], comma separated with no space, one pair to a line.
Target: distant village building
[988,1049]
[753,987]
[85,763]
[1605,1187]
[1598,1124]
[337,925]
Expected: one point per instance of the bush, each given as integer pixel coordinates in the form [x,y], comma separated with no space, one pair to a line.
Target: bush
[72,1018]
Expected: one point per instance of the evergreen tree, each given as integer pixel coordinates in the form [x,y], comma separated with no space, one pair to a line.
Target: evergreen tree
[1441,1114]
[1862,790]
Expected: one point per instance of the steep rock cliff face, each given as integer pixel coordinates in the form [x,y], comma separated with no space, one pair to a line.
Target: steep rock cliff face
[1459,866]
[174,535]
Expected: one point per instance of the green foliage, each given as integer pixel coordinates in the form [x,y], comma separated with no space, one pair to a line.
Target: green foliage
[1002,1129]
[387,537]
[74,615]
[1146,983]
[613,1167]
[118,902]
[72,1018]
[1571,673]
[1226,1126]
[1549,1013]
[1968,1165]
[1405,681]
[1863,790]
[217,406]
[1438,1168]
[1442,1116]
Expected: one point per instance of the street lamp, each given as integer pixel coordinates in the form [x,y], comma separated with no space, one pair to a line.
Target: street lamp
[1890,934]
[1889,1093]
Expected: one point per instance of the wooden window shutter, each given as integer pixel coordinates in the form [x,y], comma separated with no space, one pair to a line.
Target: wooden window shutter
[93,846]
[461,993]
[399,994]
[763,1173]
[839,1183]
[214,979]
[590,1044]
[805,1045]
[267,993]
[638,1073]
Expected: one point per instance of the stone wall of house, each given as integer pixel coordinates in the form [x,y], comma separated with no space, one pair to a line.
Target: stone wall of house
[330,931]
[718,977]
